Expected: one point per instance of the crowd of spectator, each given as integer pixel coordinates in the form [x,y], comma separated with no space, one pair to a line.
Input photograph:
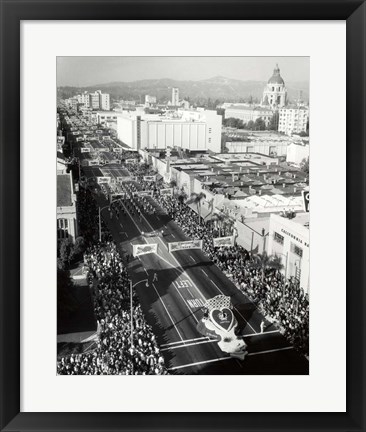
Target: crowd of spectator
[115,354]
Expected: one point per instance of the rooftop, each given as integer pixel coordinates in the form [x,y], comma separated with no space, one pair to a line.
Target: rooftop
[64,192]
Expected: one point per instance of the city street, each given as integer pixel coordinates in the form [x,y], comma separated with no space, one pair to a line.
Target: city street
[179,284]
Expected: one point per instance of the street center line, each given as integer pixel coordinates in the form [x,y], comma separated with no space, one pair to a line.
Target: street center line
[184,301]
[261,334]
[188,345]
[171,319]
[187,340]
[199,363]
[270,351]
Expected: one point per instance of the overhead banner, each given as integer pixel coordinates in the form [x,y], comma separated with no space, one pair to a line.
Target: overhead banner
[125,179]
[150,178]
[167,191]
[144,249]
[223,241]
[103,180]
[151,233]
[191,244]
[85,150]
[305,198]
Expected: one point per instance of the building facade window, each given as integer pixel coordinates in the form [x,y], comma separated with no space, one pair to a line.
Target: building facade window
[296,250]
[62,229]
[278,238]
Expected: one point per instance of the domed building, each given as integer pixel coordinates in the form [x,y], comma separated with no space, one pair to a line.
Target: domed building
[275,93]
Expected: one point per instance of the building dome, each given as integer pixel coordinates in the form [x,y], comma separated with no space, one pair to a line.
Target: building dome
[276,77]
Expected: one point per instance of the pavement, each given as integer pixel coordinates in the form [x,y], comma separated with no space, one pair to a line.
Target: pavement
[185,280]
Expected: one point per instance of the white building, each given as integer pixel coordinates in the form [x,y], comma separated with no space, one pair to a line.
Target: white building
[297,152]
[84,99]
[175,96]
[293,120]
[106,116]
[247,113]
[191,130]
[96,100]
[269,148]
[104,101]
[150,100]
[66,208]
[289,239]
[275,93]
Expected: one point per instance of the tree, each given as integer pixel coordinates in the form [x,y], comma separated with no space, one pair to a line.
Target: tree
[219,219]
[197,199]
[305,165]
[173,184]
[66,252]
[250,125]
[273,124]
[264,262]
[79,247]
[259,124]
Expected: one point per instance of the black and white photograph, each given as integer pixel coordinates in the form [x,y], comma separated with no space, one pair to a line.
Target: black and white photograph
[183,238]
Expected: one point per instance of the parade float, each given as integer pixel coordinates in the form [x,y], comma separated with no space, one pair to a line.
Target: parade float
[220,323]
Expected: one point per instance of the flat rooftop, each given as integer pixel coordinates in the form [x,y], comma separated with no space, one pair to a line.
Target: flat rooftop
[64,198]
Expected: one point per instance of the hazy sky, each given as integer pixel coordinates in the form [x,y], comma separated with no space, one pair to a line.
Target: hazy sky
[85,71]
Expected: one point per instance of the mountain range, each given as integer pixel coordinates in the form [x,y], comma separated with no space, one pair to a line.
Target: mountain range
[217,89]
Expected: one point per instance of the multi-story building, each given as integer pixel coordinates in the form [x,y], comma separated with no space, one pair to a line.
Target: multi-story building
[191,130]
[66,207]
[96,100]
[289,239]
[247,113]
[175,96]
[72,103]
[104,101]
[293,120]
[84,99]
[150,100]
[275,92]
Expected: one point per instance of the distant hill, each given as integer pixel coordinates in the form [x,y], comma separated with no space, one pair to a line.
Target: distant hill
[217,89]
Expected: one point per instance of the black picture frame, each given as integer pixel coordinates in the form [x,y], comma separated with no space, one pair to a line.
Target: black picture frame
[12,12]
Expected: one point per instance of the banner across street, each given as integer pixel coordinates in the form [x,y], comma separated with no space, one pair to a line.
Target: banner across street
[143,249]
[223,241]
[168,191]
[103,180]
[184,245]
